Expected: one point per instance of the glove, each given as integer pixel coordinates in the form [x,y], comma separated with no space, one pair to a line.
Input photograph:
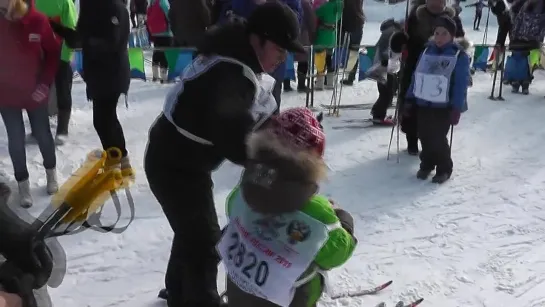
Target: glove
[21,247]
[15,281]
[40,93]
[454,117]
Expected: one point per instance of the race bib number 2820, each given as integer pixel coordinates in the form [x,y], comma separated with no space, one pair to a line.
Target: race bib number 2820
[247,262]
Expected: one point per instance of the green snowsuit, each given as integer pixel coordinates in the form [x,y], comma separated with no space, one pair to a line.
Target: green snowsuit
[63,12]
[329,15]
[290,191]
[335,252]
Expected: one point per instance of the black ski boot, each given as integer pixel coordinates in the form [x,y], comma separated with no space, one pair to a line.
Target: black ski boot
[350,80]
[301,84]
[525,88]
[440,178]
[287,85]
[163,294]
[515,87]
[423,174]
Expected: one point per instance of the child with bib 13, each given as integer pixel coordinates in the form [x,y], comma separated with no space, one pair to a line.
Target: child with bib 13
[282,237]
[439,90]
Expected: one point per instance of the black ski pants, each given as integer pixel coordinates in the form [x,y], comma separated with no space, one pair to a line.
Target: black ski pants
[385,97]
[433,127]
[158,58]
[187,200]
[63,87]
[477,20]
[107,124]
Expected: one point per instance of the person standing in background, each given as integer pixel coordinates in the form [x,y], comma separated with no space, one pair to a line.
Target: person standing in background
[308,33]
[138,10]
[353,21]
[479,5]
[29,61]
[161,36]
[102,32]
[189,20]
[63,12]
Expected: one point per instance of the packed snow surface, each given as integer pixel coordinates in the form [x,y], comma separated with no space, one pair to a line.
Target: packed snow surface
[477,240]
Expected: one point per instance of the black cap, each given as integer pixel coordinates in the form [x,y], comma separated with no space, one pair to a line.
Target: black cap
[447,23]
[276,22]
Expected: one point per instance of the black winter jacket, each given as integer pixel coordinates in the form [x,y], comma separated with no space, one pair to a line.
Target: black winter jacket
[214,106]
[103,34]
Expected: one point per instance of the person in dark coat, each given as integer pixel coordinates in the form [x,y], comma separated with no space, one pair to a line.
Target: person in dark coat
[308,33]
[419,28]
[102,33]
[26,262]
[189,20]
[206,120]
[353,20]
[500,10]
[138,10]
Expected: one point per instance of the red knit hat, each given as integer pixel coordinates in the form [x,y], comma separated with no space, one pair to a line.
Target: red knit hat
[300,127]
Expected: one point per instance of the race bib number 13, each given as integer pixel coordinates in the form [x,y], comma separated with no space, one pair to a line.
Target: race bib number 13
[247,262]
[433,88]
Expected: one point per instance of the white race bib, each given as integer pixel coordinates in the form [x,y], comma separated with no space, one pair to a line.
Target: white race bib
[430,87]
[266,256]
[264,104]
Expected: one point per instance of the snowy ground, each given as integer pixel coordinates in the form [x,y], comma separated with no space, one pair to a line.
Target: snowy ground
[475,241]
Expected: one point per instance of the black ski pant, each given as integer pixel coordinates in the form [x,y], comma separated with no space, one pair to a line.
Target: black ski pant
[433,127]
[477,20]
[107,124]
[187,200]
[385,97]
[63,87]
[504,26]
[159,58]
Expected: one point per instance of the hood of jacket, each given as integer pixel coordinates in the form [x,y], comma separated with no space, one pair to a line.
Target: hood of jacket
[450,48]
[231,40]
[279,178]
[462,43]
[388,23]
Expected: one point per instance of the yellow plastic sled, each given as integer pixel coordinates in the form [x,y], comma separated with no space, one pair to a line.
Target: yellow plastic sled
[82,196]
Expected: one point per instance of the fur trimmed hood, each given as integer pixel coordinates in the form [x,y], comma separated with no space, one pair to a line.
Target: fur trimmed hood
[464,43]
[278,177]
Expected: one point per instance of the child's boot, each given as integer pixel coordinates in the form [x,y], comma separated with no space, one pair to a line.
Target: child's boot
[515,86]
[330,81]
[24,194]
[52,185]
[287,85]
[423,174]
[164,75]
[525,86]
[440,178]
[155,73]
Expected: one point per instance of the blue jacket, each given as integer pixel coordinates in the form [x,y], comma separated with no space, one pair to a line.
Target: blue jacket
[244,8]
[459,79]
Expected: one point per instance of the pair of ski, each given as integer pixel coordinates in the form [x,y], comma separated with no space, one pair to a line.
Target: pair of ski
[376,290]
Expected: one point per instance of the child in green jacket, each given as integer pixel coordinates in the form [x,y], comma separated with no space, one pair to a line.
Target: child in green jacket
[64,13]
[282,236]
[329,15]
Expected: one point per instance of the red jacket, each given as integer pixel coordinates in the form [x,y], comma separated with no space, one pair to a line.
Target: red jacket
[29,57]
